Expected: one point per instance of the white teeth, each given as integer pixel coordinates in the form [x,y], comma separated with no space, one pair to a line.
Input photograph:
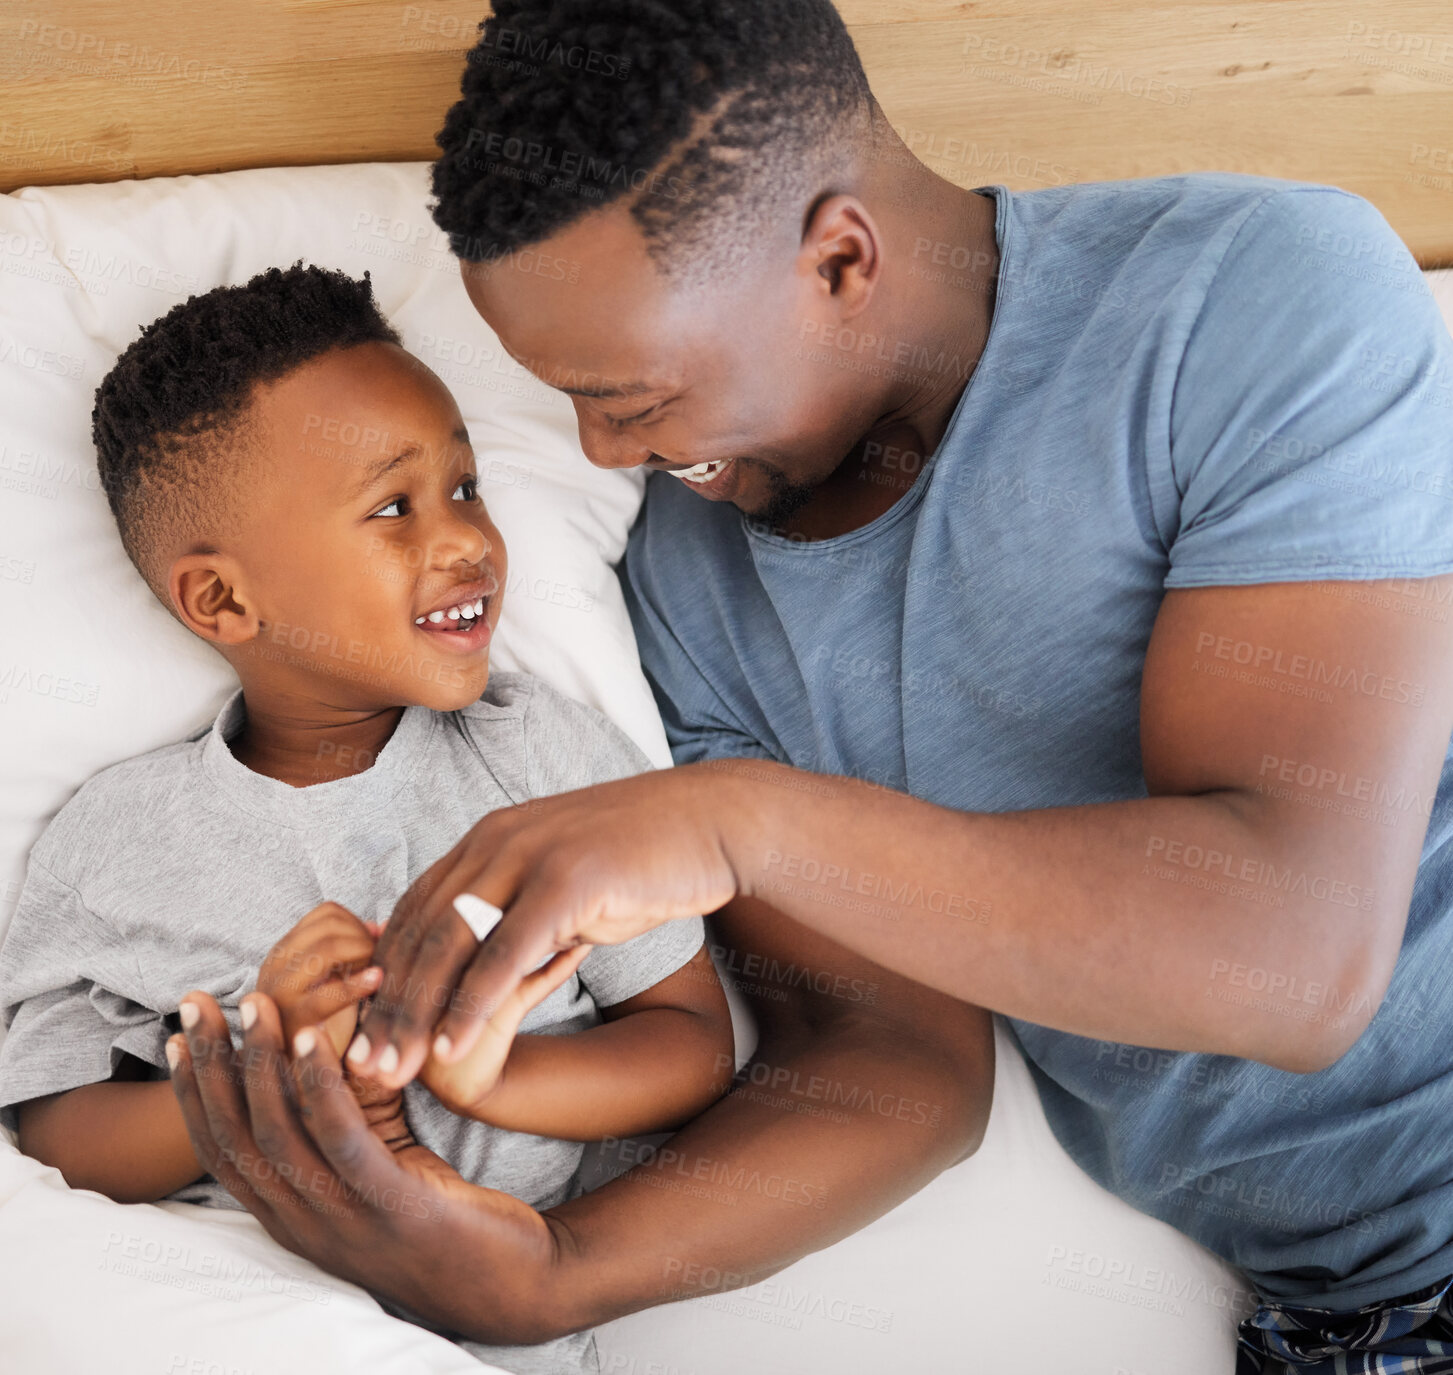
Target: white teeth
[702,472]
[467,611]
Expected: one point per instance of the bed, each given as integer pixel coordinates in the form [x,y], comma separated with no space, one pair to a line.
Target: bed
[257,140]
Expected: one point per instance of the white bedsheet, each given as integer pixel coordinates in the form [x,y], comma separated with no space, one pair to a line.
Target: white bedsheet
[1013,1260]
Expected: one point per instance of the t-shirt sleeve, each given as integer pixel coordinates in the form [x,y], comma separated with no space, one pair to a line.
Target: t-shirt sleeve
[70,995]
[1312,413]
[699,724]
[570,745]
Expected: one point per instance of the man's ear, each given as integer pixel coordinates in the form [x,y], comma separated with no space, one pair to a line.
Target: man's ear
[209,596]
[843,249]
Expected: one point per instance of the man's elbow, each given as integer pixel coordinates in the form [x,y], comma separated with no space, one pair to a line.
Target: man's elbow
[1333,1016]
[941,1072]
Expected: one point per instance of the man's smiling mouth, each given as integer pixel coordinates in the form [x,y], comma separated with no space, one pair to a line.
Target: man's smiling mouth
[702,473]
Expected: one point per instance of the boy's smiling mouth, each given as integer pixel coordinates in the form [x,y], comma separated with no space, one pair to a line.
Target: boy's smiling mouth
[459,621]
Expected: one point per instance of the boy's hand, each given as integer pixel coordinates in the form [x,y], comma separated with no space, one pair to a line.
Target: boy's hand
[465,1087]
[320,971]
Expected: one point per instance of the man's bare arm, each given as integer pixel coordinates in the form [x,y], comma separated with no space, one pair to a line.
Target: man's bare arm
[856,1096]
[1124,920]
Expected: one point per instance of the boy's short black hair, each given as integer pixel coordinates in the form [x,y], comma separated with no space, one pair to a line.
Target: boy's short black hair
[713,115]
[168,414]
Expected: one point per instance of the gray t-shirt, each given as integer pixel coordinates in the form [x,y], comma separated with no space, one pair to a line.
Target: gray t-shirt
[181,868]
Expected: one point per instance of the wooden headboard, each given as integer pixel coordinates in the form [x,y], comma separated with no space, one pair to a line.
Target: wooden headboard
[1029,93]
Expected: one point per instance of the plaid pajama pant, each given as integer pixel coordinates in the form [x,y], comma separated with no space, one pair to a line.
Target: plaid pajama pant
[1412,1335]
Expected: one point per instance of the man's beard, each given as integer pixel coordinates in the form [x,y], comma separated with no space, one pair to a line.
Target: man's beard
[784,499]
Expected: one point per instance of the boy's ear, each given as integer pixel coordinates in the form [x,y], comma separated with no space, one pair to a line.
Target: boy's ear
[210,599]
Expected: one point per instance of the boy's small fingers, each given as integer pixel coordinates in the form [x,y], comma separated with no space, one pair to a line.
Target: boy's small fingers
[536,987]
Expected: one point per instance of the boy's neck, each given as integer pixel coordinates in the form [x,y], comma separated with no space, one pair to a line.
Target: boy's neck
[301,742]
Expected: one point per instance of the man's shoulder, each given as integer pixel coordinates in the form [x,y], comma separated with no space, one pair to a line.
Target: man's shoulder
[1161,235]
[1204,199]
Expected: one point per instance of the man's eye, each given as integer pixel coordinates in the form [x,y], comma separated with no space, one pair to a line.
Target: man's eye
[618,421]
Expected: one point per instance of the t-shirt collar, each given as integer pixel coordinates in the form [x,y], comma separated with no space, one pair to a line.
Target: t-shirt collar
[341,799]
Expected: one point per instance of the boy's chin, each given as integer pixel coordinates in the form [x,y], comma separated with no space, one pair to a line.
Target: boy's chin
[460,688]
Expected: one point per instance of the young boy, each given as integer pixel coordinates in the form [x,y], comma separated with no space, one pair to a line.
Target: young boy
[300,492]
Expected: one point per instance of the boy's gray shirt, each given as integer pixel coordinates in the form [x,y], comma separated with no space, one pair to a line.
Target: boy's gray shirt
[181,868]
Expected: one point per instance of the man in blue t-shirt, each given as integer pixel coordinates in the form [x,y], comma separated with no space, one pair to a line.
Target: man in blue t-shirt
[1090,548]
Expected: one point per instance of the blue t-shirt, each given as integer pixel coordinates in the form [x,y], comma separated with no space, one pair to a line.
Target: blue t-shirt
[1188,381]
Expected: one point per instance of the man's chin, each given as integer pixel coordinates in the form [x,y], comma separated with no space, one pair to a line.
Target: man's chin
[781,501]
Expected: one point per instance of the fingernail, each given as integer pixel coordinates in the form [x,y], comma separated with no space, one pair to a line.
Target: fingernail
[442,1046]
[304,1042]
[389,1060]
[358,1051]
[249,1015]
[190,1015]
[373,973]
[173,1054]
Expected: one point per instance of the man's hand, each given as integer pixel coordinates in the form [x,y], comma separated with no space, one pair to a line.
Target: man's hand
[292,1144]
[320,971]
[597,866]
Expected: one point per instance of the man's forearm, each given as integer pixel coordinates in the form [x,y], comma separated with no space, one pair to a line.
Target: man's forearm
[1121,921]
[828,1130]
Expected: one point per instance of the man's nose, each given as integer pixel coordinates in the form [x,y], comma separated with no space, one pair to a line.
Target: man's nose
[608,447]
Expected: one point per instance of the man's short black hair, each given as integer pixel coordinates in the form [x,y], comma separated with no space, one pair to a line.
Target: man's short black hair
[713,115]
[168,413]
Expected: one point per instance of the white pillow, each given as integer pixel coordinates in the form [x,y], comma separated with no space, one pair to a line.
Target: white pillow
[92,668]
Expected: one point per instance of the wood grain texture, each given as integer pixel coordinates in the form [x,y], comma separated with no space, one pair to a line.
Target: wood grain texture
[1024,92]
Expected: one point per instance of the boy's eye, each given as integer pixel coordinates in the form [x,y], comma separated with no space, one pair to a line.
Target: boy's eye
[469,485]
[383,511]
